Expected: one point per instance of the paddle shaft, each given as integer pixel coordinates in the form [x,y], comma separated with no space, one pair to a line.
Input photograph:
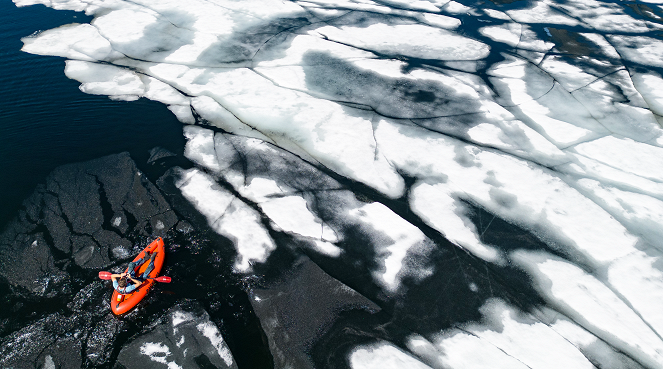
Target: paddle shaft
[107,276]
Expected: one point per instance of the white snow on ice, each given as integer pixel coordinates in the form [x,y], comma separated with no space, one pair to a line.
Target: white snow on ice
[383,355]
[158,352]
[209,330]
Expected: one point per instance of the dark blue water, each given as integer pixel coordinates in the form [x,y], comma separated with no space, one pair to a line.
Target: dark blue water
[46,121]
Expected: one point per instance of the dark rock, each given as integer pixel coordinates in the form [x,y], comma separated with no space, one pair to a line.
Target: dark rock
[78,194]
[297,311]
[56,225]
[146,205]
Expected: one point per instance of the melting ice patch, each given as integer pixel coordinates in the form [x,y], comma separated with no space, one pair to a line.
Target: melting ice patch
[413,40]
[509,339]
[159,353]
[181,339]
[544,115]
[228,216]
[597,307]
[396,239]
[210,331]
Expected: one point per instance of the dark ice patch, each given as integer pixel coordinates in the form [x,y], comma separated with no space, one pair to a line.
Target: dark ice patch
[289,171]
[503,2]
[654,14]
[297,310]
[503,198]
[158,153]
[339,80]
[78,194]
[270,38]
[508,237]
[184,336]
[101,340]
[87,253]
[464,156]
[55,336]
[421,96]
[570,42]
[29,264]
[159,39]
[362,19]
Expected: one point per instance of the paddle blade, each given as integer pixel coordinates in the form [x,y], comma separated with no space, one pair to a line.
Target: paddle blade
[105,275]
[163,279]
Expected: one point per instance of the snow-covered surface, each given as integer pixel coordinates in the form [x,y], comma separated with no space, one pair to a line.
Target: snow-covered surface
[383,355]
[525,110]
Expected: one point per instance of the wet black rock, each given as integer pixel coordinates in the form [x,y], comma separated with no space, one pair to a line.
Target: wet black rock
[83,336]
[296,311]
[184,338]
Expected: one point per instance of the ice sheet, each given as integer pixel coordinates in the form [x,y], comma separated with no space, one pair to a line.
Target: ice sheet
[595,306]
[509,338]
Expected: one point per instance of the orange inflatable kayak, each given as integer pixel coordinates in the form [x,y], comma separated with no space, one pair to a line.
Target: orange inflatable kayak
[120,303]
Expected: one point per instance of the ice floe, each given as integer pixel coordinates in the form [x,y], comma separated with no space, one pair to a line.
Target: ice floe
[509,339]
[542,12]
[184,337]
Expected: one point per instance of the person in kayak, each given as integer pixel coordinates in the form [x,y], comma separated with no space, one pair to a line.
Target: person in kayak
[120,281]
